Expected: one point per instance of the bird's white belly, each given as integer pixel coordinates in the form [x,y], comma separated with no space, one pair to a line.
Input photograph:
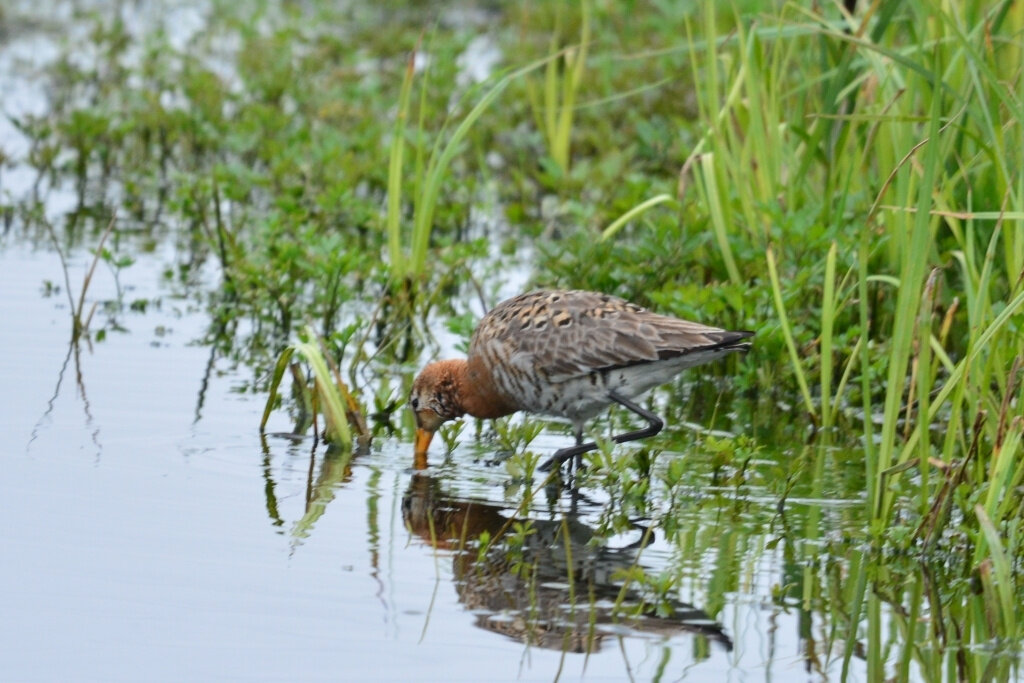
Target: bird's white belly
[581,398]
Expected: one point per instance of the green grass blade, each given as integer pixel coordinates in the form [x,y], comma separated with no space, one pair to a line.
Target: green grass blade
[828,315]
[331,401]
[275,382]
[436,169]
[960,373]
[719,220]
[907,300]
[617,224]
[393,218]
[1004,575]
[787,333]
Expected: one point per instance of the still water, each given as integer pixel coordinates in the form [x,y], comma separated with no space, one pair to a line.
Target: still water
[149,534]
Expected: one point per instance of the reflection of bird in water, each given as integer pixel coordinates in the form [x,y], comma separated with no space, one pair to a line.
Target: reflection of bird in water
[569,354]
[523,591]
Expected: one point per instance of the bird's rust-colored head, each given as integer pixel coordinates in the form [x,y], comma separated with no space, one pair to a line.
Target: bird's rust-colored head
[435,398]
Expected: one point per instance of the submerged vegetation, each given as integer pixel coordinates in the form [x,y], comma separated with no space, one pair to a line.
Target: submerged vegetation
[849,185]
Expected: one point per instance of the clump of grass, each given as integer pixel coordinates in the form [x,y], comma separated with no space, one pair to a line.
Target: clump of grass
[80,318]
[888,150]
[554,107]
[328,395]
[408,247]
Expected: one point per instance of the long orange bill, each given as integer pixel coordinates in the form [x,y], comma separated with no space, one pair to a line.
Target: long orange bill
[423,438]
[419,458]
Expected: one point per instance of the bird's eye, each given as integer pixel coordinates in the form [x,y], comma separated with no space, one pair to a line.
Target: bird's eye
[415,403]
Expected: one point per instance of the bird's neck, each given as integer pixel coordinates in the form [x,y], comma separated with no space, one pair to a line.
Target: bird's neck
[478,394]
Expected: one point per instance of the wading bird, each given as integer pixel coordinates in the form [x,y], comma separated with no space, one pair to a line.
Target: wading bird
[568,354]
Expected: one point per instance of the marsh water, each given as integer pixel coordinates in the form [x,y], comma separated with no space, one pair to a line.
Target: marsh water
[149,531]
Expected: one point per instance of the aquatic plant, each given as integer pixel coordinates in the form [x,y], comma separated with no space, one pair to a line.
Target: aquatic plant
[328,395]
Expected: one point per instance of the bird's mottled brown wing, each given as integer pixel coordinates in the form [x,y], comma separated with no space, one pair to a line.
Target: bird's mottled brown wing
[565,334]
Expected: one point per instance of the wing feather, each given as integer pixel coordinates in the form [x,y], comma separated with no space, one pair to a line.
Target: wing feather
[569,334]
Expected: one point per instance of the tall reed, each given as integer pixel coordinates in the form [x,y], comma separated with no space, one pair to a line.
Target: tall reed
[884,186]
[409,241]
[554,107]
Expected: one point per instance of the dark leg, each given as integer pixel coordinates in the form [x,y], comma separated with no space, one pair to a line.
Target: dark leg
[578,464]
[654,425]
